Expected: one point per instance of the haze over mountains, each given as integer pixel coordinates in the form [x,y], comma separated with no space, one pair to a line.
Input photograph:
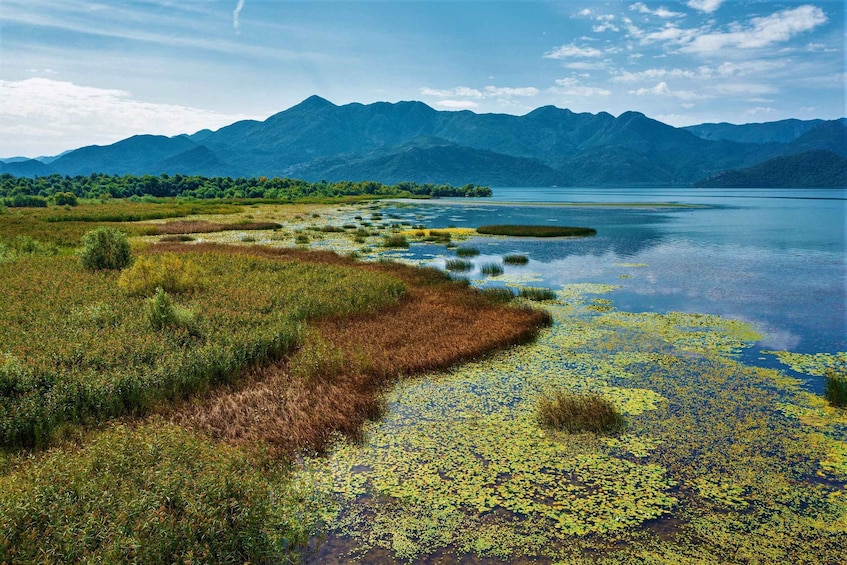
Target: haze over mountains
[390,143]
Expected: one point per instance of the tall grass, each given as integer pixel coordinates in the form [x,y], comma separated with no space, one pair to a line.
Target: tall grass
[467,252]
[836,389]
[492,269]
[536,293]
[395,241]
[61,365]
[574,413]
[515,259]
[458,265]
[157,493]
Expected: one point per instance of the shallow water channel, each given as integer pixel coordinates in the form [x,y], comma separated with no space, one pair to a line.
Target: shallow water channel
[707,317]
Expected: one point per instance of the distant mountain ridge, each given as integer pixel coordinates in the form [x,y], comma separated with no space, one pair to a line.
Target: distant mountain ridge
[393,142]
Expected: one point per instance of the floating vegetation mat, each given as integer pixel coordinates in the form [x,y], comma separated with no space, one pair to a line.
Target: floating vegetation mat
[721,462]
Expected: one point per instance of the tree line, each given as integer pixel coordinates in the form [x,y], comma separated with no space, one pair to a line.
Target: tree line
[21,191]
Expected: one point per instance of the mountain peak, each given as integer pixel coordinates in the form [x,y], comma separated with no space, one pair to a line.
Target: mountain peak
[314,101]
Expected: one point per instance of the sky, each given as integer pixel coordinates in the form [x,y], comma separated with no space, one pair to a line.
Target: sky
[78,72]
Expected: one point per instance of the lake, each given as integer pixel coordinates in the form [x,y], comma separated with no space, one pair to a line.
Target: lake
[708,317]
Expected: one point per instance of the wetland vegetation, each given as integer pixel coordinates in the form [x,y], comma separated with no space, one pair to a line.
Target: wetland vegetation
[536,231]
[220,399]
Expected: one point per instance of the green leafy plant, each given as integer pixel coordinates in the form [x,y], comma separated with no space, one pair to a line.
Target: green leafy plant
[105,248]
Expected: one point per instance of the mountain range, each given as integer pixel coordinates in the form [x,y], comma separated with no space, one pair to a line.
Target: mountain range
[393,142]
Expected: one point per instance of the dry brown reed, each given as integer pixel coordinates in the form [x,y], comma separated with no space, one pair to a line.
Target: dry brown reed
[438,323]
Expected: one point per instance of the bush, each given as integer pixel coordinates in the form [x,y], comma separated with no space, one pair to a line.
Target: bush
[105,248]
[164,314]
[65,199]
[574,413]
[167,271]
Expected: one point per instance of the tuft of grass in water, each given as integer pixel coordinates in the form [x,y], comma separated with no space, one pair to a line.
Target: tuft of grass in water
[438,236]
[515,259]
[467,252]
[536,293]
[498,295]
[395,241]
[575,413]
[492,269]
[535,231]
[836,389]
[332,229]
[301,239]
[458,265]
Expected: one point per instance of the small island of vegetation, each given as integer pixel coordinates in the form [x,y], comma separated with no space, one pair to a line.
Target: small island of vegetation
[536,231]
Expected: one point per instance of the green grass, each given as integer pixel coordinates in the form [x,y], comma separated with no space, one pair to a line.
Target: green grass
[458,265]
[537,294]
[836,389]
[492,269]
[515,259]
[467,252]
[77,349]
[395,241]
[156,493]
[498,294]
[575,413]
[535,231]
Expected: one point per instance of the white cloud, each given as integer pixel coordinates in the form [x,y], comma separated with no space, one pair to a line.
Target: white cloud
[671,33]
[585,66]
[743,88]
[456,104]
[573,87]
[662,89]
[505,92]
[600,28]
[569,51]
[585,12]
[40,116]
[761,32]
[749,67]
[462,91]
[660,12]
[236,14]
[766,110]
[653,74]
[707,6]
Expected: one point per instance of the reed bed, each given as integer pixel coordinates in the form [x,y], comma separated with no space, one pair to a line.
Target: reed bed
[491,269]
[576,413]
[467,252]
[535,231]
[203,226]
[458,265]
[515,259]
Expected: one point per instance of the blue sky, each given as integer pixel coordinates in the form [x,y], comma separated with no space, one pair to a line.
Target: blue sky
[75,72]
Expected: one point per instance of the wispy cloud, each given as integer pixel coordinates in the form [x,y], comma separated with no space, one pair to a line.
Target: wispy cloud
[573,87]
[660,12]
[761,31]
[571,51]
[457,104]
[707,6]
[662,89]
[60,115]
[236,24]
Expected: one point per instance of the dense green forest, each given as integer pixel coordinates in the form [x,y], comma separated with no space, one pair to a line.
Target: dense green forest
[20,191]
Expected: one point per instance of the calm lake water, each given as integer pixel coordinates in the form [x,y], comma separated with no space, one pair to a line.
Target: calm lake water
[458,470]
[774,258]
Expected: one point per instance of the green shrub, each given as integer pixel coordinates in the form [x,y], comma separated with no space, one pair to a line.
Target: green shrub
[516,259]
[162,314]
[65,199]
[458,265]
[168,272]
[574,413]
[105,248]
